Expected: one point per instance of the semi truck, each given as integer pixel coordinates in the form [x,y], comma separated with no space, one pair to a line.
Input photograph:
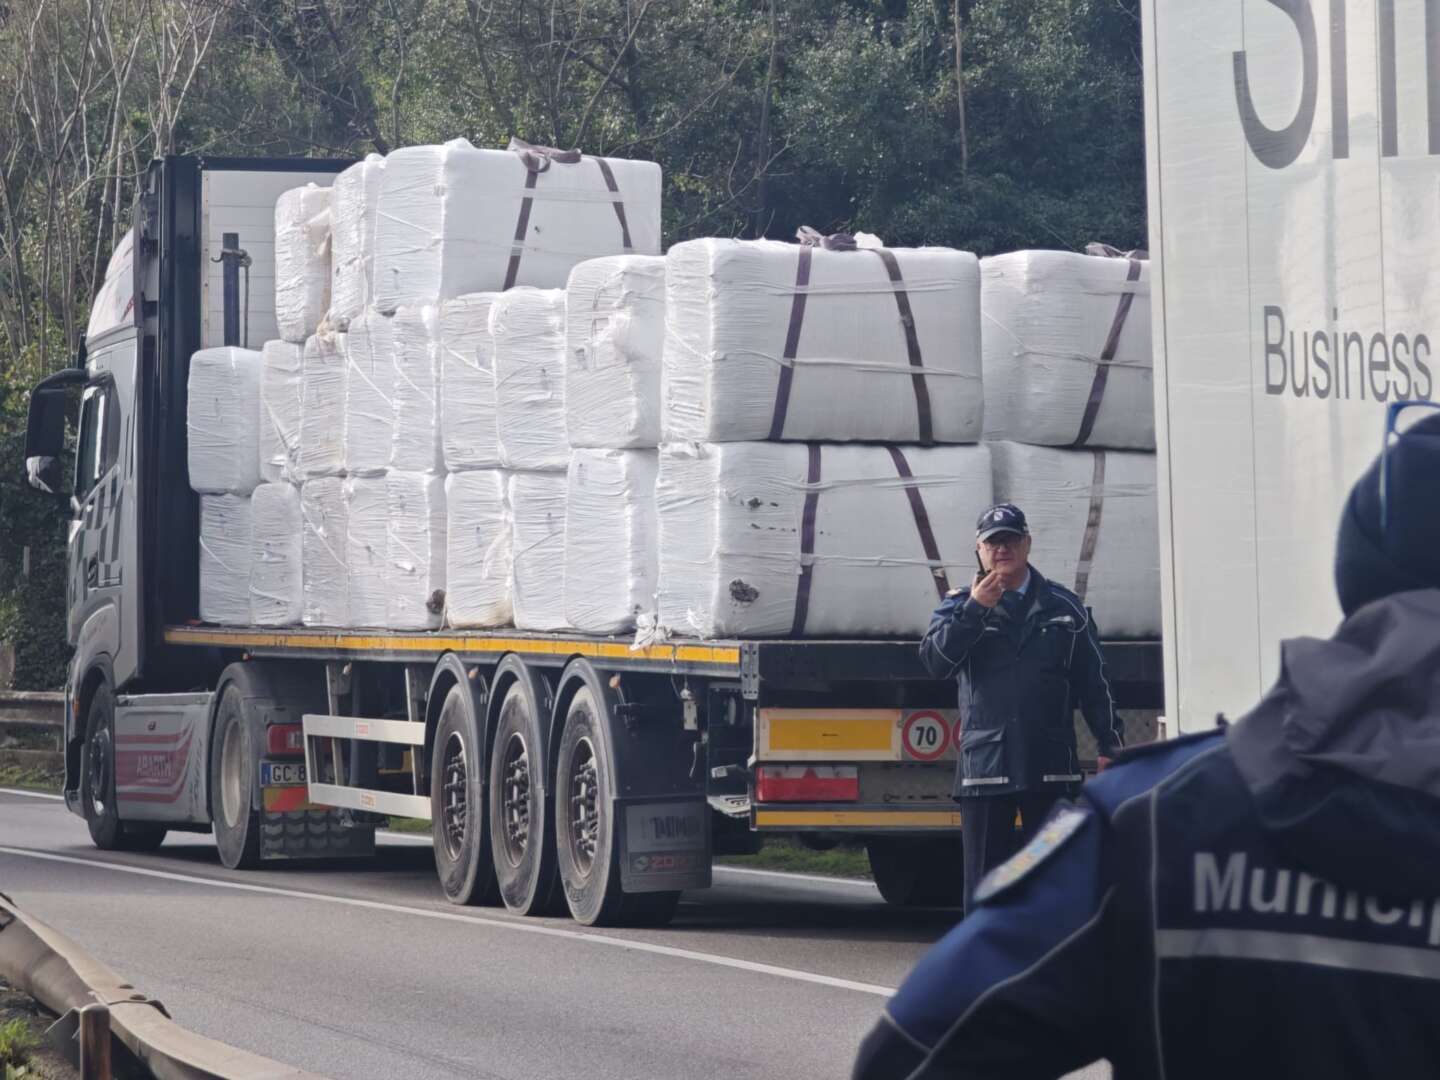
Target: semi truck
[1295,246]
[558,771]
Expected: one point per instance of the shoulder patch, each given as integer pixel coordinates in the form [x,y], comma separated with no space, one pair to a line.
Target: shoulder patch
[1064,824]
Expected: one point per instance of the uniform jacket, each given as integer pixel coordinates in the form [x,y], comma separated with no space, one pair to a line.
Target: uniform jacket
[1258,902]
[1020,682]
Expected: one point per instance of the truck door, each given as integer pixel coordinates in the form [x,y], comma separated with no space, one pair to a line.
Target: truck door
[102,595]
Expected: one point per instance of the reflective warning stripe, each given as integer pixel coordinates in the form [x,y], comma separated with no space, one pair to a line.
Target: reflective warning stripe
[1062,778]
[1312,949]
[856,819]
[977,781]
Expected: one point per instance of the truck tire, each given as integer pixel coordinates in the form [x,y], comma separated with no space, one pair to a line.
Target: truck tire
[457,805]
[235,822]
[521,838]
[97,784]
[586,850]
[918,871]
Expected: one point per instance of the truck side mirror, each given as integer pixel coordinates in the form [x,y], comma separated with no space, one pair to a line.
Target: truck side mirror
[45,430]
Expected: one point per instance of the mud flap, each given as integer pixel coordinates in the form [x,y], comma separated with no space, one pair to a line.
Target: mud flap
[664,844]
[313,834]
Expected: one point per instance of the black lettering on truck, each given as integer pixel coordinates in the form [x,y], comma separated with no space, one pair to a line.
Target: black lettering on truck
[1277,148]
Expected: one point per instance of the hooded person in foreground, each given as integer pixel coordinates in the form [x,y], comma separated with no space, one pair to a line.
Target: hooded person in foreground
[1258,901]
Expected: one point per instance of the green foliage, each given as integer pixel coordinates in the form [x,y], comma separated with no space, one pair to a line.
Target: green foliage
[32,606]
[16,1044]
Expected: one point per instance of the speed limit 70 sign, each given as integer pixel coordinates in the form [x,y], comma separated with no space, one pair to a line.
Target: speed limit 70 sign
[925,736]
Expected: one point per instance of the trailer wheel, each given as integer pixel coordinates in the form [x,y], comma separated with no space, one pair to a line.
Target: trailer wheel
[97,786]
[588,856]
[235,821]
[520,808]
[457,805]
[918,871]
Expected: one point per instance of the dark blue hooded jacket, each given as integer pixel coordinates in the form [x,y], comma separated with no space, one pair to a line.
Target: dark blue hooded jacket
[1258,902]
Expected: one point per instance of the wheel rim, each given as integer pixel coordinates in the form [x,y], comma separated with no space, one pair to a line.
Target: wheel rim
[232,775]
[515,799]
[100,759]
[454,795]
[584,832]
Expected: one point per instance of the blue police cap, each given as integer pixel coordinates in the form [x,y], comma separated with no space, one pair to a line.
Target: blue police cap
[1004,517]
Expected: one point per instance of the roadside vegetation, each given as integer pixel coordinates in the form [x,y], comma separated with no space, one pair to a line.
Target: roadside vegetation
[987,125]
[23,1053]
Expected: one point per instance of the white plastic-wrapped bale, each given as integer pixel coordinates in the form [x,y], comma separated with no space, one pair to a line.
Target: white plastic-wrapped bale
[612,540]
[277,591]
[416,443]
[1067,349]
[774,341]
[535,502]
[467,383]
[322,406]
[225,531]
[766,539]
[454,219]
[281,380]
[477,550]
[326,577]
[369,393]
[302,261]
[354,197]
[614,341]
[416,567]
[1094,516]
[222,420]
[528,327]
[367,538]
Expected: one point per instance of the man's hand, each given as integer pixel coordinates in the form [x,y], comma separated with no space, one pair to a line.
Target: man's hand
[987,591]
[1102,763]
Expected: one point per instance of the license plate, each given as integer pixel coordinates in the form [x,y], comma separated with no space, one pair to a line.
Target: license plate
[281,773]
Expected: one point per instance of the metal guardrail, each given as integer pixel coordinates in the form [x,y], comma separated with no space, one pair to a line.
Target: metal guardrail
[25,710]
[51,968]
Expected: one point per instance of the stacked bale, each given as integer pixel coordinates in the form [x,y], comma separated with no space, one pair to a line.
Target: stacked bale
[1070,413]
[833,340]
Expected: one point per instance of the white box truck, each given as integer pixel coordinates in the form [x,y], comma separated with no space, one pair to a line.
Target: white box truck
[1295,234]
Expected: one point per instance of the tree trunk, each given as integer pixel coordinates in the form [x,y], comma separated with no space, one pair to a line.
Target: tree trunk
[960,90]
[759,223]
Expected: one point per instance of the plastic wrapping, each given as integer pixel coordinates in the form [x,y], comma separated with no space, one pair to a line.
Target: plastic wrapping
[535,502]
[528,327]
[225,532]
[222,418]
[477,551]
[369,393]
[367,538]
[302,261]
[322,406]
[416,442]
[467,383]
[1067,353]
[281,380]
[612,540]
[355,194]
[751,354]
[324,509]
[767,539]
[614,341]
[1095,522]
[415,564]
[448,218]
[277,592]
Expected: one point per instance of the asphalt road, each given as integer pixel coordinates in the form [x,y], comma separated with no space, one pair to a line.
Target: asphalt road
[363,970]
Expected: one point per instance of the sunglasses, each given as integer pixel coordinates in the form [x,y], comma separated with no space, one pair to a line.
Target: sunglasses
[1400,417]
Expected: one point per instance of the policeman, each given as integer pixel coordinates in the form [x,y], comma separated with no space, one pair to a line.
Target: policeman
[1026,652]
[1261,901]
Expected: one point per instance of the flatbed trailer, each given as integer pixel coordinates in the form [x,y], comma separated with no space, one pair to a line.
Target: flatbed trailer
[557,770]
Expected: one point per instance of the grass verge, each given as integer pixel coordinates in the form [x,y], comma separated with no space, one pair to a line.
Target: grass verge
[20,776]
[23,1053]
[845,860]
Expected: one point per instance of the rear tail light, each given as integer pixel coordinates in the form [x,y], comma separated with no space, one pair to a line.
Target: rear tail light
[807,783]
[285,739]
